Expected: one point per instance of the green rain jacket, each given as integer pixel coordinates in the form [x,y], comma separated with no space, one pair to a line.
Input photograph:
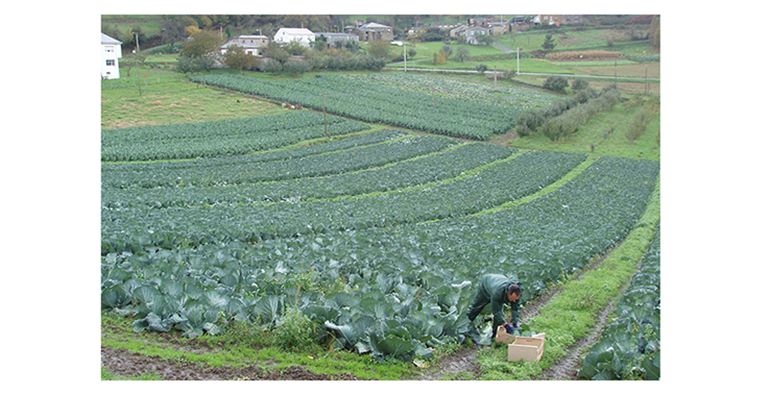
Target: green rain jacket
[495,287]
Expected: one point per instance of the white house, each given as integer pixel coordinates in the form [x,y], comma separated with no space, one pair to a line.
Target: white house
[286,35]
[110,54]
[251,44]
[472,34]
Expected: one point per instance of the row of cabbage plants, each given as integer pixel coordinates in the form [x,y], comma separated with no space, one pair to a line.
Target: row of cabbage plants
[513,96]
[460,196]
[217,138]
[375,102]
[389,291]
[253,168]
[630,345]
[433,167]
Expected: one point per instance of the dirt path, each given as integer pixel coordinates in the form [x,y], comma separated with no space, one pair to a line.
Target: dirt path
[565,369]
[128,364]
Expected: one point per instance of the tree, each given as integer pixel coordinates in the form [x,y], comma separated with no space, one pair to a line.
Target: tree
[172,29]
[274,51]
[655,32]
[549,44]
[447,49]
[295,21]
[236,58]
[482,68]
[462,53]
[379,49]
[295,48]
[411,53]
[204,42]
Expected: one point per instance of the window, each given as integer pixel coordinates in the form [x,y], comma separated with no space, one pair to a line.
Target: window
[110,62]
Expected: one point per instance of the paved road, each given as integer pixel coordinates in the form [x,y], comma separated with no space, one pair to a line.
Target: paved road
[395,68]
[501,46]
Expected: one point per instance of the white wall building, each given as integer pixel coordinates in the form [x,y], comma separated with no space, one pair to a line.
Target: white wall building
[251,44]
[286,35]
[111,52]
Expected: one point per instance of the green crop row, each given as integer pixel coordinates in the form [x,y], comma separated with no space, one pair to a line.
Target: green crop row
[252,168]
[502,182]
[391,291]
[217,138]
[375,102]
[630,345]
[432,167]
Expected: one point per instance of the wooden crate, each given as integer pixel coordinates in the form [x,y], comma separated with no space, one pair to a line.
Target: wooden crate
[528,349]
[504,337]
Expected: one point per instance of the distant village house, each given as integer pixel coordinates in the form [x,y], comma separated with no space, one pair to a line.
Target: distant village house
[286,35]
[111,52]
[251,44]
[338,40]
[373,31]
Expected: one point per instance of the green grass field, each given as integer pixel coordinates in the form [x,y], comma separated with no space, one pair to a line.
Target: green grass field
[167,97]
[604,135]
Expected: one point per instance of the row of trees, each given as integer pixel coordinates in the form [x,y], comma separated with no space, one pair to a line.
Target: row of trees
[565,117]
[203,49]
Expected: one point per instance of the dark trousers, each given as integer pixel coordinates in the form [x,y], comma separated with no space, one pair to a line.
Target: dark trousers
[478,304]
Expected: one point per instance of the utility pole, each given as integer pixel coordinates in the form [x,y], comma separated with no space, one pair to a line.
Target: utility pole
[404,56]
[517,59]
[138,74]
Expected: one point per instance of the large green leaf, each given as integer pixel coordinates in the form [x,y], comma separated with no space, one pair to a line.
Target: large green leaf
[346,334]
[269,308]
[114,296]
[395,346]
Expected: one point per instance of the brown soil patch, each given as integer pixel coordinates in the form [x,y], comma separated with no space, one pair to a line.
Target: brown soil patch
[128,364]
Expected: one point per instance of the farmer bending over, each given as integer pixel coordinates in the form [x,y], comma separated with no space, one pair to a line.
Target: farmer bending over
[497,290]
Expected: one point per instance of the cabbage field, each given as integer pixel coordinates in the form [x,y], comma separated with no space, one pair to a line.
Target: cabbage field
[378,237]
[428,104]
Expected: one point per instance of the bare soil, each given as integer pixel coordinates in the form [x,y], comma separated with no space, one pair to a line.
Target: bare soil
[128,364]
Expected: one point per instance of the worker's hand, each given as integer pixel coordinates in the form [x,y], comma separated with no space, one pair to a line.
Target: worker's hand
[509,328]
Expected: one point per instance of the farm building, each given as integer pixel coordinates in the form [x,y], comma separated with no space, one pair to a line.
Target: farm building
[251,44]
[373,31]
[111,52]
[557,19]
[338,40]
[471,34]
[286,35]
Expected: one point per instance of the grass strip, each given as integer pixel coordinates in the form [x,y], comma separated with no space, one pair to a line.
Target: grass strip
[238,351]
[571,315]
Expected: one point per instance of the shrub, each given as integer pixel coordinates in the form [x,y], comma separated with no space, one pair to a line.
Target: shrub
[556,83]
[270,66]
[528,122]
[579,84]
[296,67]
[190,64]
[294,331]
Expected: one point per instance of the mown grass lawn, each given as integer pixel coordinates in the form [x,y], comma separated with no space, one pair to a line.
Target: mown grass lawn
[167,97]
